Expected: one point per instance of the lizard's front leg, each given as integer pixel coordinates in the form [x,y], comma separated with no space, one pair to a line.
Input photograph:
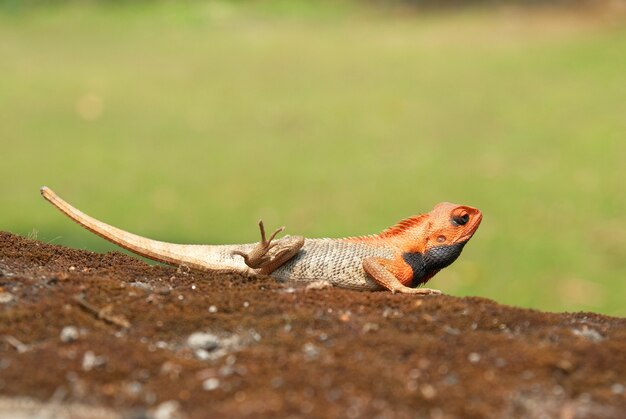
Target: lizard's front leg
[386,279]
[268,254]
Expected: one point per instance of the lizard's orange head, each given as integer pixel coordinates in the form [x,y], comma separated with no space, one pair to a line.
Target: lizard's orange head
[447,229]
[452,224]
[432,241]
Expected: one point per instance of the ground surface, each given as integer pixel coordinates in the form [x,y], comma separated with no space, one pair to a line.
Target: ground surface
[106,334]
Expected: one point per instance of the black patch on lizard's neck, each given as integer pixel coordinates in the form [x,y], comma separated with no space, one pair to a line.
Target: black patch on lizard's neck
[427,264]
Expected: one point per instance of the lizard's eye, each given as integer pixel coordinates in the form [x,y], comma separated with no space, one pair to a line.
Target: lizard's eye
[460,220]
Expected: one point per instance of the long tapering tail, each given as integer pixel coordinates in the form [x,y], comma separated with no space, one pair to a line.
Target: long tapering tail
[202,257]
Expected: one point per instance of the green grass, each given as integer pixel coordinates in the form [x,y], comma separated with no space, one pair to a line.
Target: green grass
[190,122]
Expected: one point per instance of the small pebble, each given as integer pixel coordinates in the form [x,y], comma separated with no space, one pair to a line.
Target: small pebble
[133,388]
[69,334]
[311,352]
[564,364]
[91,361]
[212,309]
[255,335]
[210,384]
[318,285]
[428,391]
[6,297]
[226,370]
[141,285]
[202,340]
[451,330]
[201,354]
[473,357]
[589,334]
[617,388]
[370,327]
[167,410]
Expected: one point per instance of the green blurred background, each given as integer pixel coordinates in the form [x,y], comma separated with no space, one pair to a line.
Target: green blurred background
[189,121]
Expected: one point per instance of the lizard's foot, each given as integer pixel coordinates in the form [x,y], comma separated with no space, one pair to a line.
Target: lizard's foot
[268,254]
[374,267]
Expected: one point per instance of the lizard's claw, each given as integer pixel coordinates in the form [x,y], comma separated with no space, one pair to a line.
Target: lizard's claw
[265,242]
[268,254]
[240,253]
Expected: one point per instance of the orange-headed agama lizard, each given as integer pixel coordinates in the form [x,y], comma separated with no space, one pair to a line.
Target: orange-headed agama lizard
[399,259]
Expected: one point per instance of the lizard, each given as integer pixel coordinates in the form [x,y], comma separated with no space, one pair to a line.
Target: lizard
[399,259]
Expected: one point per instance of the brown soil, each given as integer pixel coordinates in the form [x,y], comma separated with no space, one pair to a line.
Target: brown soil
[278,351]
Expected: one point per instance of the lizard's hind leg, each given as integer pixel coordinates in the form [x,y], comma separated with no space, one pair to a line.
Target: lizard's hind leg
[269,254]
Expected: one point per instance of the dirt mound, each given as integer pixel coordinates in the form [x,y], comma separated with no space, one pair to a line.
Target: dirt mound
[111,336]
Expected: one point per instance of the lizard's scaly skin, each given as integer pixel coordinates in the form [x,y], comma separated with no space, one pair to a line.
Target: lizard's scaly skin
[399,259]
[336,261]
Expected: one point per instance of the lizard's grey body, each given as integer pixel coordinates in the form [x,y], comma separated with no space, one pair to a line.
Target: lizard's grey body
[332,260]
